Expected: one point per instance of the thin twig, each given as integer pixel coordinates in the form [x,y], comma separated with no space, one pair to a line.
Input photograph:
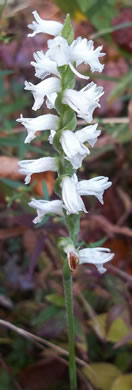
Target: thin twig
[121,120]
[38,339]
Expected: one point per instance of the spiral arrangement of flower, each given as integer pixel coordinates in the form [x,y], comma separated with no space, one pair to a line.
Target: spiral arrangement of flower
[57,69]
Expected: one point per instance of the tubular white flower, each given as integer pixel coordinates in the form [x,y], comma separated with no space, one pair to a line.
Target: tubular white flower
[82,50]
[72,200]
[88,134]
[46,207]
[96,256]
[84,101]
[60,52]
[43,65]
[74,150]
[95,186]
[44,88]
[42,122]
[44,26]
[28,167]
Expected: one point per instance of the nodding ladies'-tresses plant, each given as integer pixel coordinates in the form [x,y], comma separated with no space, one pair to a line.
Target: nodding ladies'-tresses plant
[57,69]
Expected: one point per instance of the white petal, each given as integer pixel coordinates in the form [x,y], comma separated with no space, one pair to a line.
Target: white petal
[82,51]
[50,101]
[43,65]
[84,101]
[72,201]
[96,256]
[88,134]
[58,51]
[95,186]
[74,150]
[42,89]
[45,207]
[51,136]
[44,26]
[42,122]
[28,167]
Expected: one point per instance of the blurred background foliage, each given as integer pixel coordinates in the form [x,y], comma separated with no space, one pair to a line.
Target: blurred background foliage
[31,291]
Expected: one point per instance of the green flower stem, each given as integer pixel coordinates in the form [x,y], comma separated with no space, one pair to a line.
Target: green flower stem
[67,277]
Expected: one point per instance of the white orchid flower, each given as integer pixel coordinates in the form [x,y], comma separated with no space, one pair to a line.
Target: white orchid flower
[60,52]
[28,167]
[42,89]
[73,143]
[44,26]
[75,150]
[80,51]
[42,122]
[84,101]
[43,65]
[73,202]
[95,186]
[88,134]
[96,256]
[46,207]
[72,189]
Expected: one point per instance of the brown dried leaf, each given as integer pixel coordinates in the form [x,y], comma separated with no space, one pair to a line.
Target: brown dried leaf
[39,178]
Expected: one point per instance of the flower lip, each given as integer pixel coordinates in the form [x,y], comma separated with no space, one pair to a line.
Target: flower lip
[28,167]
[44,207]
[44,26]
[44,88]
[84,101]
[75,151]
[42,122]
[97,256]
[95,186]
[44,66]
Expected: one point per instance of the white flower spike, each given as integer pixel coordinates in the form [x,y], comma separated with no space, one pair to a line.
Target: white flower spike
[44,88]
[95,186]
[84,101]
[44,66]
[46,207]
[72,200]
[28,167]
[42,122]
[44,26]
[96,256]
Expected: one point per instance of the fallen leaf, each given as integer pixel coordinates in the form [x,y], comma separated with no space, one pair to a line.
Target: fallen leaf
[101,375]
[124,382]
[39,178]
